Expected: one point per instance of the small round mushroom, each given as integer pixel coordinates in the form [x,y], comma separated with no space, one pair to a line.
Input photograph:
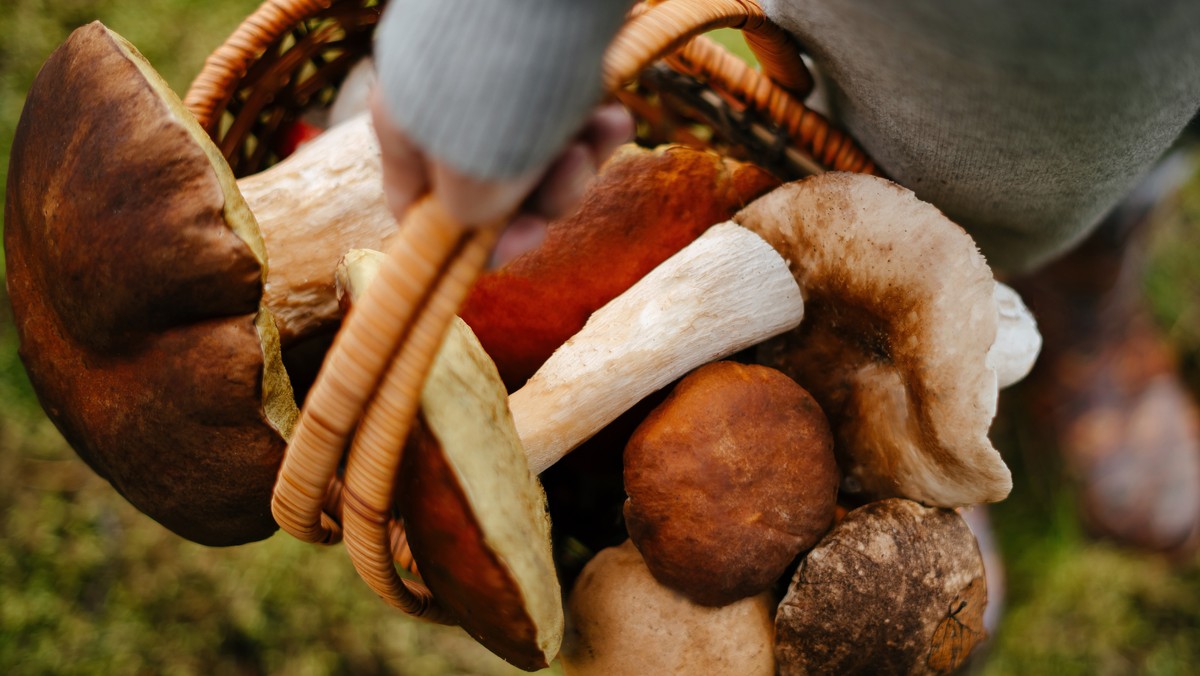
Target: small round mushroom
[621,622]
[729,479]
[897,342]
[895,588]
[150,322]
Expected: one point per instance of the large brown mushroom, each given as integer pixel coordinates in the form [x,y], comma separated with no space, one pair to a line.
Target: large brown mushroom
[895,588]
[152,292]
[729,479]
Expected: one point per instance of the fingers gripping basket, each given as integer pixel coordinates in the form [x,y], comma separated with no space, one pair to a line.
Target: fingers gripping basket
[291,55]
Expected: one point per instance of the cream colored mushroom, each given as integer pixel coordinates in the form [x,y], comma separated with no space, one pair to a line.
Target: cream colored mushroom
[621,622]
[901,342]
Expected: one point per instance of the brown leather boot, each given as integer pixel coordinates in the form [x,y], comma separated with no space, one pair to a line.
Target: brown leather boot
[1107,384]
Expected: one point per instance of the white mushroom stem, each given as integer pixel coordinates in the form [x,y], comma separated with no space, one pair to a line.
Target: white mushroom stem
[1018,341]
[312,208]
[722,293]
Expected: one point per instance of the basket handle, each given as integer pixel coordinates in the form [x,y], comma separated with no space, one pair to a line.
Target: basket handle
[373,374]
[659,28]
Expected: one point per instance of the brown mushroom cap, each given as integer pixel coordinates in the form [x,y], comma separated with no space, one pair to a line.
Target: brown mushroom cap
[146,343]
[621,621]
[474,513]
[900,318]
[895,588]
[729,479]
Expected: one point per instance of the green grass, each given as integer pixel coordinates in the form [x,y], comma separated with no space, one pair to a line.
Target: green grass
[88,585]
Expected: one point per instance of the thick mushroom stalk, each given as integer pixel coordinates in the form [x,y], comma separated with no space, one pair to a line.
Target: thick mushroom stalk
[312,208]
[724,292]
[897,345]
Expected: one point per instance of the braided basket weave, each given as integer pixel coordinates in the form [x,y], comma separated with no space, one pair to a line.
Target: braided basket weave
[290,56]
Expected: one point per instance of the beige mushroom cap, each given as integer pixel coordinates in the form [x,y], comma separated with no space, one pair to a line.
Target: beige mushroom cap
[900,318]
[620,621]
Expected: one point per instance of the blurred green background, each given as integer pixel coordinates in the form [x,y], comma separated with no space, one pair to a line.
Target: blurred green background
[88,585]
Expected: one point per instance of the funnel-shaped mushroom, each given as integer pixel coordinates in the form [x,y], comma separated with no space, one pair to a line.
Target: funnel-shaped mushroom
[901,316]
[136,271]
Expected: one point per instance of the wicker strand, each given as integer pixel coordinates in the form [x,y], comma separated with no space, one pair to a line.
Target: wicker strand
[224,68]
[375,456]
[352,369]
[663,28]
[703,58]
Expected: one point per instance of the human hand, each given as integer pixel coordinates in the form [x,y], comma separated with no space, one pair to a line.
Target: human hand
[534,198]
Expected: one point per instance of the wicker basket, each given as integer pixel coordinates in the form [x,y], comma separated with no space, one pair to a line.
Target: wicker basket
[291,55]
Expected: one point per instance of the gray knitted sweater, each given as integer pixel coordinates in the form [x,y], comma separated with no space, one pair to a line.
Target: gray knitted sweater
[1024,120]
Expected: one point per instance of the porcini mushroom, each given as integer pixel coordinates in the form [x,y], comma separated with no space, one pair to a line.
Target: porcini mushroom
[722,293]
[895,588]
[643,206]
[621,621]
[474,514]
[915,348]
[149,322]
[729,479]
[898,342]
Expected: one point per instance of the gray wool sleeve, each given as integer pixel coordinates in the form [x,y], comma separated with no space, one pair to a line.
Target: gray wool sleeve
[494,88]
[1025,121]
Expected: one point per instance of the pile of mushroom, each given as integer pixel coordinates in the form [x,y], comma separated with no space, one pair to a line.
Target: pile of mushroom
[155,298]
